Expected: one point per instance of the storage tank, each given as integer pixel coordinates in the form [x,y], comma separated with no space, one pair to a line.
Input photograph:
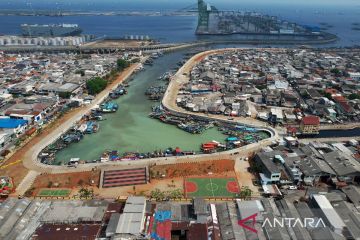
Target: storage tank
[52,41]
[35,41]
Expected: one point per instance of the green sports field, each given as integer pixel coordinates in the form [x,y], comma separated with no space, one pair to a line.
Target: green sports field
[211,187]
[54,192]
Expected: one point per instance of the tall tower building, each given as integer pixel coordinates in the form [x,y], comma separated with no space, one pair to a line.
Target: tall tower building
[204,10]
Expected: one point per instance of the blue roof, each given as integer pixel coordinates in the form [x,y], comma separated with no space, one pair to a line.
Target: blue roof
[11,122]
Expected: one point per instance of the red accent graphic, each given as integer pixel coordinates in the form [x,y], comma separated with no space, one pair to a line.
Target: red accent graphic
[232,187]
[242,223]
[190,187]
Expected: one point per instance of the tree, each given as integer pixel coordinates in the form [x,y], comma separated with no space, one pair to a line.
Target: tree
[157,194]
[354,96]
[122,64]
[81,72]
[336,72]
[65,95]
[177,193]
[96,85]
[86,193]
[245,192]
[327,95]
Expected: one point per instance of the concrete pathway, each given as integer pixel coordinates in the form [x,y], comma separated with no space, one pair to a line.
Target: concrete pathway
[27,182]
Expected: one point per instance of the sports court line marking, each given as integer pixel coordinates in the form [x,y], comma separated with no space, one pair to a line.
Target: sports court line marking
[212,190]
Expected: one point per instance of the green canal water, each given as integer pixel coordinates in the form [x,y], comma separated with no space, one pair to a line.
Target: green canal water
[131,130]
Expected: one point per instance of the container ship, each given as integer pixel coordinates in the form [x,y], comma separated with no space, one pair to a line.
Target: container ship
[53,30]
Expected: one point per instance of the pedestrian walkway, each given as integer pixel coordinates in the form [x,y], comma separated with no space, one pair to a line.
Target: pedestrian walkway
[27,182]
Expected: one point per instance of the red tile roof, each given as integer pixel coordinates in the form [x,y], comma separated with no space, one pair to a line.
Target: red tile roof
[343,103]
[311,120]
[331,90]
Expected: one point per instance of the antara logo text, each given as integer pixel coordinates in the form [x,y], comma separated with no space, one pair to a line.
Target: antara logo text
[249,222]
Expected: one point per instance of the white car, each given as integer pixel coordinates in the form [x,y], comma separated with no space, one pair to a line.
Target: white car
[293,187]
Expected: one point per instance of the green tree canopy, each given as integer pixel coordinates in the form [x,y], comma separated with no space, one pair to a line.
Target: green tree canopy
[354,96]
[96,85]
[86,193]
[157,194]
[122,64]
[245,192]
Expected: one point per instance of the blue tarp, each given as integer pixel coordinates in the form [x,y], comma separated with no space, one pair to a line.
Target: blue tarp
[231,139]
[11,122]
[162,216]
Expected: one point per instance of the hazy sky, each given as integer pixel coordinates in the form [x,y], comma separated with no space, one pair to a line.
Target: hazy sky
[174,4]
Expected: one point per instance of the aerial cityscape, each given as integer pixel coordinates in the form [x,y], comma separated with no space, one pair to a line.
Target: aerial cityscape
[181,120]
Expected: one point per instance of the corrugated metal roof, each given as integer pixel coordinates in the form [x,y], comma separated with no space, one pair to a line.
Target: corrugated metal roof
[130,223]
[112,225]
[329,211]
[248,208]
[136,200]
[134,208]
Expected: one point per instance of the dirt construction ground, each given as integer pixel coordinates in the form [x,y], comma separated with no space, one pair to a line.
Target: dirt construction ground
[192,169]
[67,180]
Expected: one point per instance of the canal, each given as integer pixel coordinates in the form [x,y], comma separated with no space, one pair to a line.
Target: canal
[339,133]
[131,130]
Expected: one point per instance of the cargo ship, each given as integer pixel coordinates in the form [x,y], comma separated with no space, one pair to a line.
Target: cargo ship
[52,30]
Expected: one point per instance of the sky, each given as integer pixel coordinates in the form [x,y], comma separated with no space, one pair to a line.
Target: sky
[165,4]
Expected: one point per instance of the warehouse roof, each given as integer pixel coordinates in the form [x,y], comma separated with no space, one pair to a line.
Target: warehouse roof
[329,212]
[73,211]
[136,200]
[130,223]
[353,193]
[67,231]
[311,166]
[112,225]
[342,164]
[134,208]
[248,208]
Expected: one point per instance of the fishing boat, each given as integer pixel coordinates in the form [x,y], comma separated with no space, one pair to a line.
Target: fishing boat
[74,161]
[130,156]
[70,138]
[105,157]
[232,139]
[109,107]
[92,127]
[82,128]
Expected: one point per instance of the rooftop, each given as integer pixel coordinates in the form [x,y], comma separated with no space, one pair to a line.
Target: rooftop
[67,231]
[11,122]
[311,120]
